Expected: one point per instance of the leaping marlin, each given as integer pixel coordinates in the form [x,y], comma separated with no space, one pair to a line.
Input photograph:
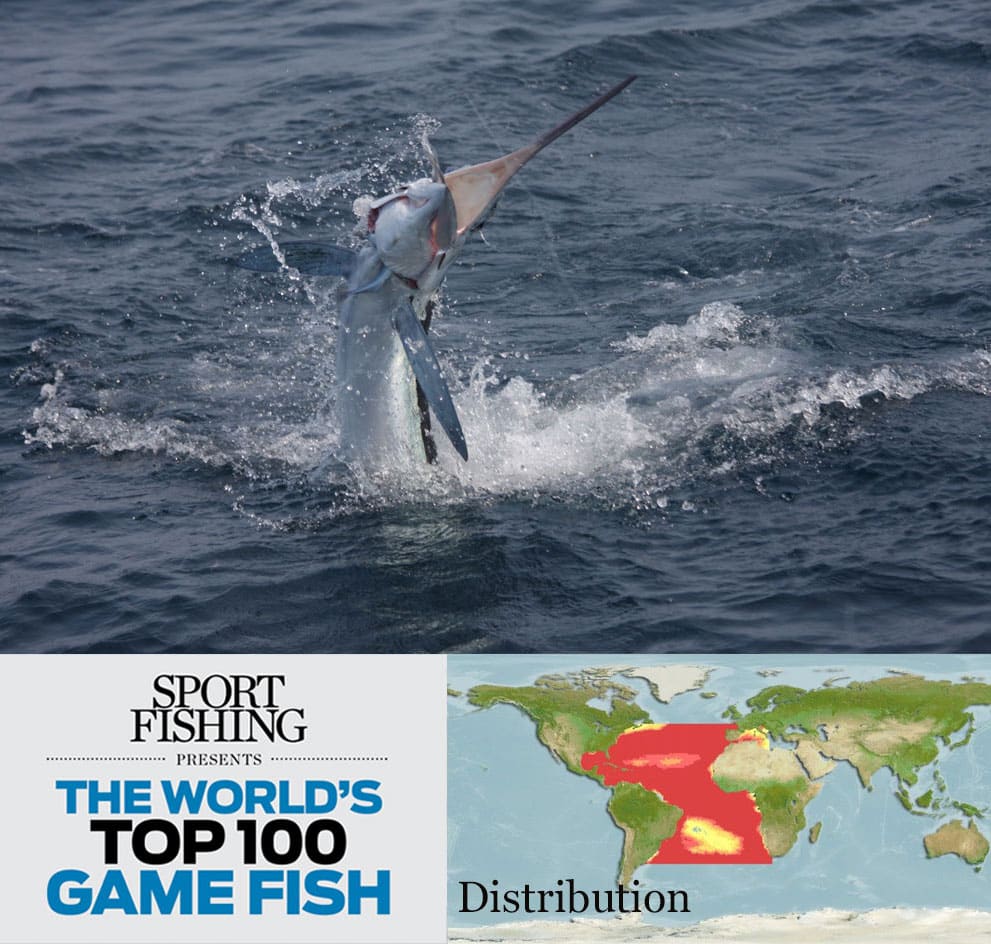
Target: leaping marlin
[389,378]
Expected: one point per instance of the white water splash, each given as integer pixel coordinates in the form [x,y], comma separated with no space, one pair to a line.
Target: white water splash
[631,429]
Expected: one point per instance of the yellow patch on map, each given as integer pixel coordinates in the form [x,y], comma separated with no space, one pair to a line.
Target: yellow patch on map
[756,734]
[663,760]
[704,837]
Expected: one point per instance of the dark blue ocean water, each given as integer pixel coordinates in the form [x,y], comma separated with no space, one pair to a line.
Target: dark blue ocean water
[724,366]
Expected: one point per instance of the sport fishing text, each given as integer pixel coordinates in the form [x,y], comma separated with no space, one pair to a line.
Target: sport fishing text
[217,708]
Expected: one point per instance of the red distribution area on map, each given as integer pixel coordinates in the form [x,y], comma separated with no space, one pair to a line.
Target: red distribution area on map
[675,761]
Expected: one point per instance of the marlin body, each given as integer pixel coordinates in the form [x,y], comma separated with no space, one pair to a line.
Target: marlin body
[390,383]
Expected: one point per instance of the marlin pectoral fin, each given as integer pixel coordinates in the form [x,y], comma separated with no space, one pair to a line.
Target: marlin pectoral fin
[427,371]
[310,258]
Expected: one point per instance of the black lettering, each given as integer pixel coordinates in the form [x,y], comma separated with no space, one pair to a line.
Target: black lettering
[192,846]
[294,841]
[111,829]
[139,841]
[464,897]
[166,690]
[339,845]
[684,900]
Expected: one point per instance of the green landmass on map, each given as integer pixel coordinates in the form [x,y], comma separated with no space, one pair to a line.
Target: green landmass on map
[898,722]
[894,722]
[903,797]
[646,821]
[968,809]
[779,783]
[566,724]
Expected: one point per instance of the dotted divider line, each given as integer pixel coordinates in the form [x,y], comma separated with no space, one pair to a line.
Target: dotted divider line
[326,758]
[274,759]
[106,758]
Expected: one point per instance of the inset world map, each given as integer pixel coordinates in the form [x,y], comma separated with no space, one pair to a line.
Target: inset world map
[807,785]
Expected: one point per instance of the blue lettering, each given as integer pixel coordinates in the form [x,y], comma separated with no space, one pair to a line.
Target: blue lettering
[72,788]
[114,895]
[319,884]
[315,803]
[380,891]
[236,800]
[76,900]
[183,794]
[366,793]
[215,891]
[259,888]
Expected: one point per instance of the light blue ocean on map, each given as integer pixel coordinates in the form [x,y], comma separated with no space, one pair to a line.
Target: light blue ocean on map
[518,816]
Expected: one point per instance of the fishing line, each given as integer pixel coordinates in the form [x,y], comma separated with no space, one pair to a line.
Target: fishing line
[556,263]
